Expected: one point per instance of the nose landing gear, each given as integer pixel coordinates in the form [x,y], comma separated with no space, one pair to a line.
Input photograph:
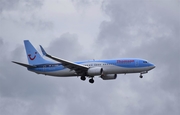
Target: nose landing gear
[144,72]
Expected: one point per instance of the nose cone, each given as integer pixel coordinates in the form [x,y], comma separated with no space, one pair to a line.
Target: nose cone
[152,66]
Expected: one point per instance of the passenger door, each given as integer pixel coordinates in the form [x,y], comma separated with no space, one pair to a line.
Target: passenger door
[137,63]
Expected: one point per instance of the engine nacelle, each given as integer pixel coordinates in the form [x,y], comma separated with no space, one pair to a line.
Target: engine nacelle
[95,71]
[109,76]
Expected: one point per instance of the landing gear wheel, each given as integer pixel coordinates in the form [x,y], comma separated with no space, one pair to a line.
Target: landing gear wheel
[141,76]
[91,80]
[83,78]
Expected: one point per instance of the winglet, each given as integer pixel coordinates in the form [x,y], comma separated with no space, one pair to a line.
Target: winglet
[43,51]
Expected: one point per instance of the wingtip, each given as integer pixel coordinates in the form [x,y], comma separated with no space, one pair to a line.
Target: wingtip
[43,51]
[26,41]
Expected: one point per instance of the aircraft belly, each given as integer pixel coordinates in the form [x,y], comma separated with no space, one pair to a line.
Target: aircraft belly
[63,73]
[121,70]
[60,73]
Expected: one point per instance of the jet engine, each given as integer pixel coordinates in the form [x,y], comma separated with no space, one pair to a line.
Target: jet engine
[109,76]
[95,71]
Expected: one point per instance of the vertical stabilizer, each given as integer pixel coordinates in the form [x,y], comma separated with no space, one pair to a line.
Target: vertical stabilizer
[34,58]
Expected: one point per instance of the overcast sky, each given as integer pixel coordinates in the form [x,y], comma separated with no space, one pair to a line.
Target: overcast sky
[85,30]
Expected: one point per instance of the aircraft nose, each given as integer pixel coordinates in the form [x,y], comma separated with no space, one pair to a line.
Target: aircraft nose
[153,66]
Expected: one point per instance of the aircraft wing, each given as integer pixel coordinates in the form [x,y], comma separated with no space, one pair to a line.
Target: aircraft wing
[80,69]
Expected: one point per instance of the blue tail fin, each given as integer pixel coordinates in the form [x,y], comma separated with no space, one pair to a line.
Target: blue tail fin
[34,58]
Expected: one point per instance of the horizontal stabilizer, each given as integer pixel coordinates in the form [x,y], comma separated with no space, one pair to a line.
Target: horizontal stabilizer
[22,64]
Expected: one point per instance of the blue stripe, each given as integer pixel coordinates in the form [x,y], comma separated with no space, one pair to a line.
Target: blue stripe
[125,62]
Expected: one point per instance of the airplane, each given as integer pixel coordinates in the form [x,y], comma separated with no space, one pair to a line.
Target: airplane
[107,69]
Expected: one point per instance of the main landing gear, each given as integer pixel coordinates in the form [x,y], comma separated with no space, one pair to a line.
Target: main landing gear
[141,76]
[83,78]
[91,80]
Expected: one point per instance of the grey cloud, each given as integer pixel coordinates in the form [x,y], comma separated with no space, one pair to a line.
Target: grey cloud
[35,3]
[40,25]
[24,10]
[18,53]
[37,94]
[8,4]
[22,89]
[81,5]
[150,30]
[136,29]
[133,23]
[66,46]
[1,41]
[13,4]
[84,2]
[81,1]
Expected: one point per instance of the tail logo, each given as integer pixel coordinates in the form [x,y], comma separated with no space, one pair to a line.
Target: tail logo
[32,58]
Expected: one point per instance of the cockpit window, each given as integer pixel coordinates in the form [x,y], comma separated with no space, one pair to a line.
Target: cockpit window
[144,61]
